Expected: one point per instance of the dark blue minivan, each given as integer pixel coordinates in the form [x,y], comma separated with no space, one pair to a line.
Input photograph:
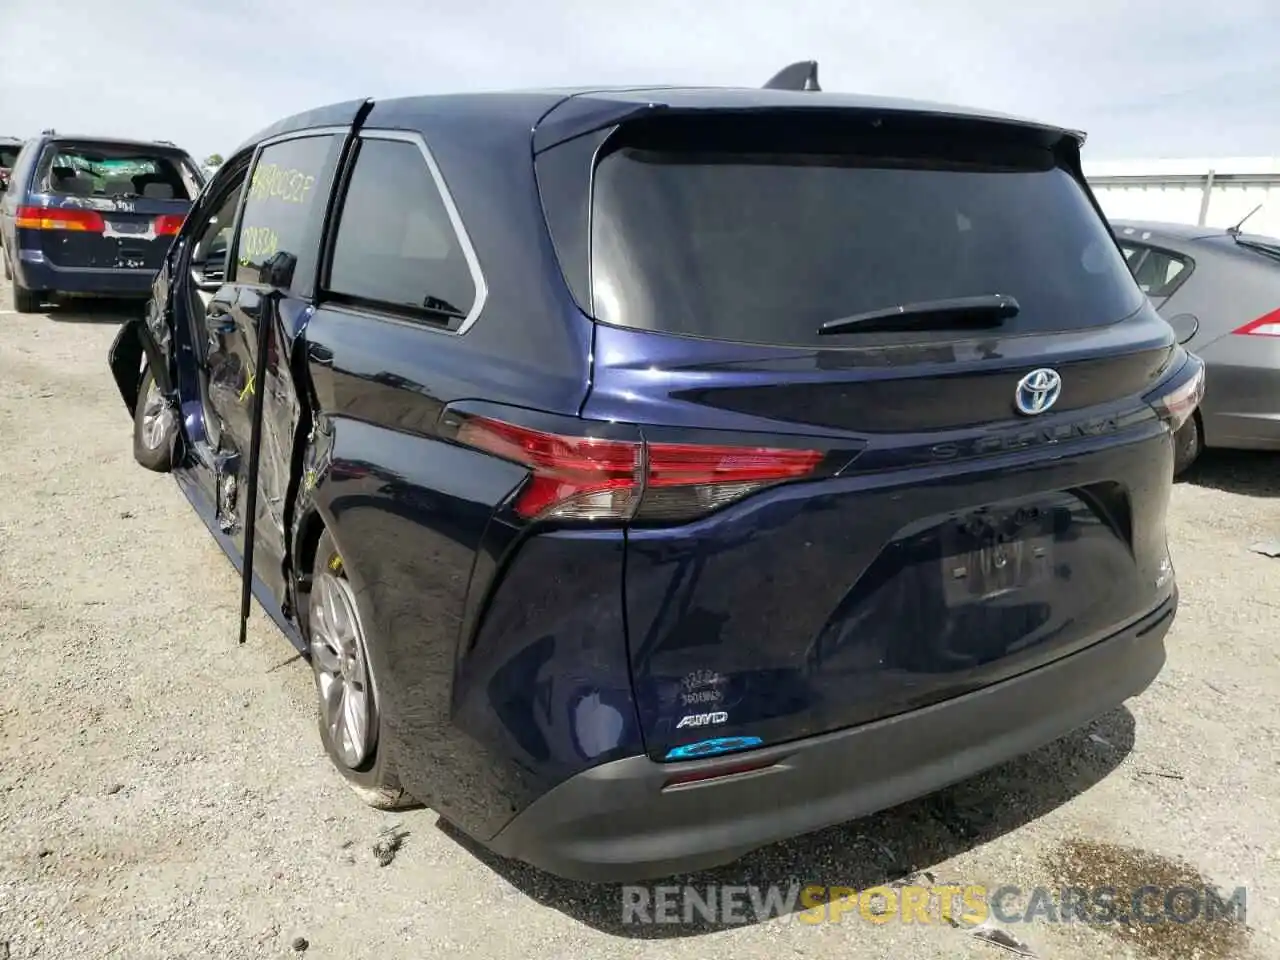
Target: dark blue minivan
[653,474]
[86,216]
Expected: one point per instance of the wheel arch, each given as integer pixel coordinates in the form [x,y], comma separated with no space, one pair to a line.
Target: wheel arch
[311,527]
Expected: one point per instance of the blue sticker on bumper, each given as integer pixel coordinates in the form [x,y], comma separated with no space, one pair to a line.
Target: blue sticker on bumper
[710,748]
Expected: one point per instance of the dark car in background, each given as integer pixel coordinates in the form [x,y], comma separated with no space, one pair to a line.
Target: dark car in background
[650,475]
[89,216]
[9,148]
[1220,290]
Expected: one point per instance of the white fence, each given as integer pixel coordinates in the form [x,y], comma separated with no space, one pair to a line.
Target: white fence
[1214,193]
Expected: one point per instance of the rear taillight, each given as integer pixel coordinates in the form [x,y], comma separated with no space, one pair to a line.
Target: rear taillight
[1177,403]
[1267,325]
[60,218]
[585,478]
[169,224]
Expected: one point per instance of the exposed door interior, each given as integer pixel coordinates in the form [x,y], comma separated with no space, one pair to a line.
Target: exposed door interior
[206,275]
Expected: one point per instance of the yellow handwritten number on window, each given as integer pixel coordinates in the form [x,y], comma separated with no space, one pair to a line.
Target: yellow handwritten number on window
[271,182]
[257,244]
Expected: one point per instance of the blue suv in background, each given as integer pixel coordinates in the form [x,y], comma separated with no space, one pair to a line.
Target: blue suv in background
[653,474]
[90,216]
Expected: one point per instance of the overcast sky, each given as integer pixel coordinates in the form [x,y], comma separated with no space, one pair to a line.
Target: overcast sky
[1173,78]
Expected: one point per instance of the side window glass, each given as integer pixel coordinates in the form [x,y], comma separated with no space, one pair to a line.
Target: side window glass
[213,242]
[9,159]
[21,167]
[285,204]
[395,243]
[190,179]
[1172,275]
[1159,273]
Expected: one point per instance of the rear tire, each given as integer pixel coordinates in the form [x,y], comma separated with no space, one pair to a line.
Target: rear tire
[155,427]
[24,300]
[346,686]
[1188,443]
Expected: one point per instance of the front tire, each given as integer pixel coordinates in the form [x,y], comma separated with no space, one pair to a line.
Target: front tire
[351,721]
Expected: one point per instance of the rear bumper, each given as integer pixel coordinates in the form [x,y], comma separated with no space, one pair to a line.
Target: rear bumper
[616,822]
[37,273]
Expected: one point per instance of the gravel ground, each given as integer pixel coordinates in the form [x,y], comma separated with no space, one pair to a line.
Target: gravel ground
[163,793]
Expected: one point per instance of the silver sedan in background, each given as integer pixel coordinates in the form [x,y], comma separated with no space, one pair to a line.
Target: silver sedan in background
[1220,290]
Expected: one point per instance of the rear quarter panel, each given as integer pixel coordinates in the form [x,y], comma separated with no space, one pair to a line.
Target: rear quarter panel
[1224,293]
[487,646]
[493,651]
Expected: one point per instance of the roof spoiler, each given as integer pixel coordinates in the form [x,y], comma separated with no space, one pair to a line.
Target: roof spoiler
[802,75]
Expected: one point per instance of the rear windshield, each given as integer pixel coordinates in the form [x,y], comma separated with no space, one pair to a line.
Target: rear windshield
[103,170]
[8,155]
[759,234]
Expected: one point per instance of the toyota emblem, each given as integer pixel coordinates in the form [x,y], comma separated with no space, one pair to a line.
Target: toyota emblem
[1037,391]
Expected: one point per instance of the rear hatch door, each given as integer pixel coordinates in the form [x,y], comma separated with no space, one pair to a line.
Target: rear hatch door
[996,498]
[109,206]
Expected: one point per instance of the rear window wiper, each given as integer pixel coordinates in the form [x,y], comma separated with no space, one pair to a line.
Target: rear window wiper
[442,308]
[1266,249]
[954,313]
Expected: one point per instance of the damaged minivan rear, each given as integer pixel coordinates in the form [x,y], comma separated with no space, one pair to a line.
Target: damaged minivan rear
[92,217]
[897,509]
[653,475]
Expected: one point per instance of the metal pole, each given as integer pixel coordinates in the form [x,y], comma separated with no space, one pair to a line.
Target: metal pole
[1204,199]
[266,315]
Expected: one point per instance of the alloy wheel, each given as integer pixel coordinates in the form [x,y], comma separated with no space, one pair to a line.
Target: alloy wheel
[157,417]
[342,672]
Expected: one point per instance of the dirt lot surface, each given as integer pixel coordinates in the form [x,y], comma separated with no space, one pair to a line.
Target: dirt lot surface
[163,793]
